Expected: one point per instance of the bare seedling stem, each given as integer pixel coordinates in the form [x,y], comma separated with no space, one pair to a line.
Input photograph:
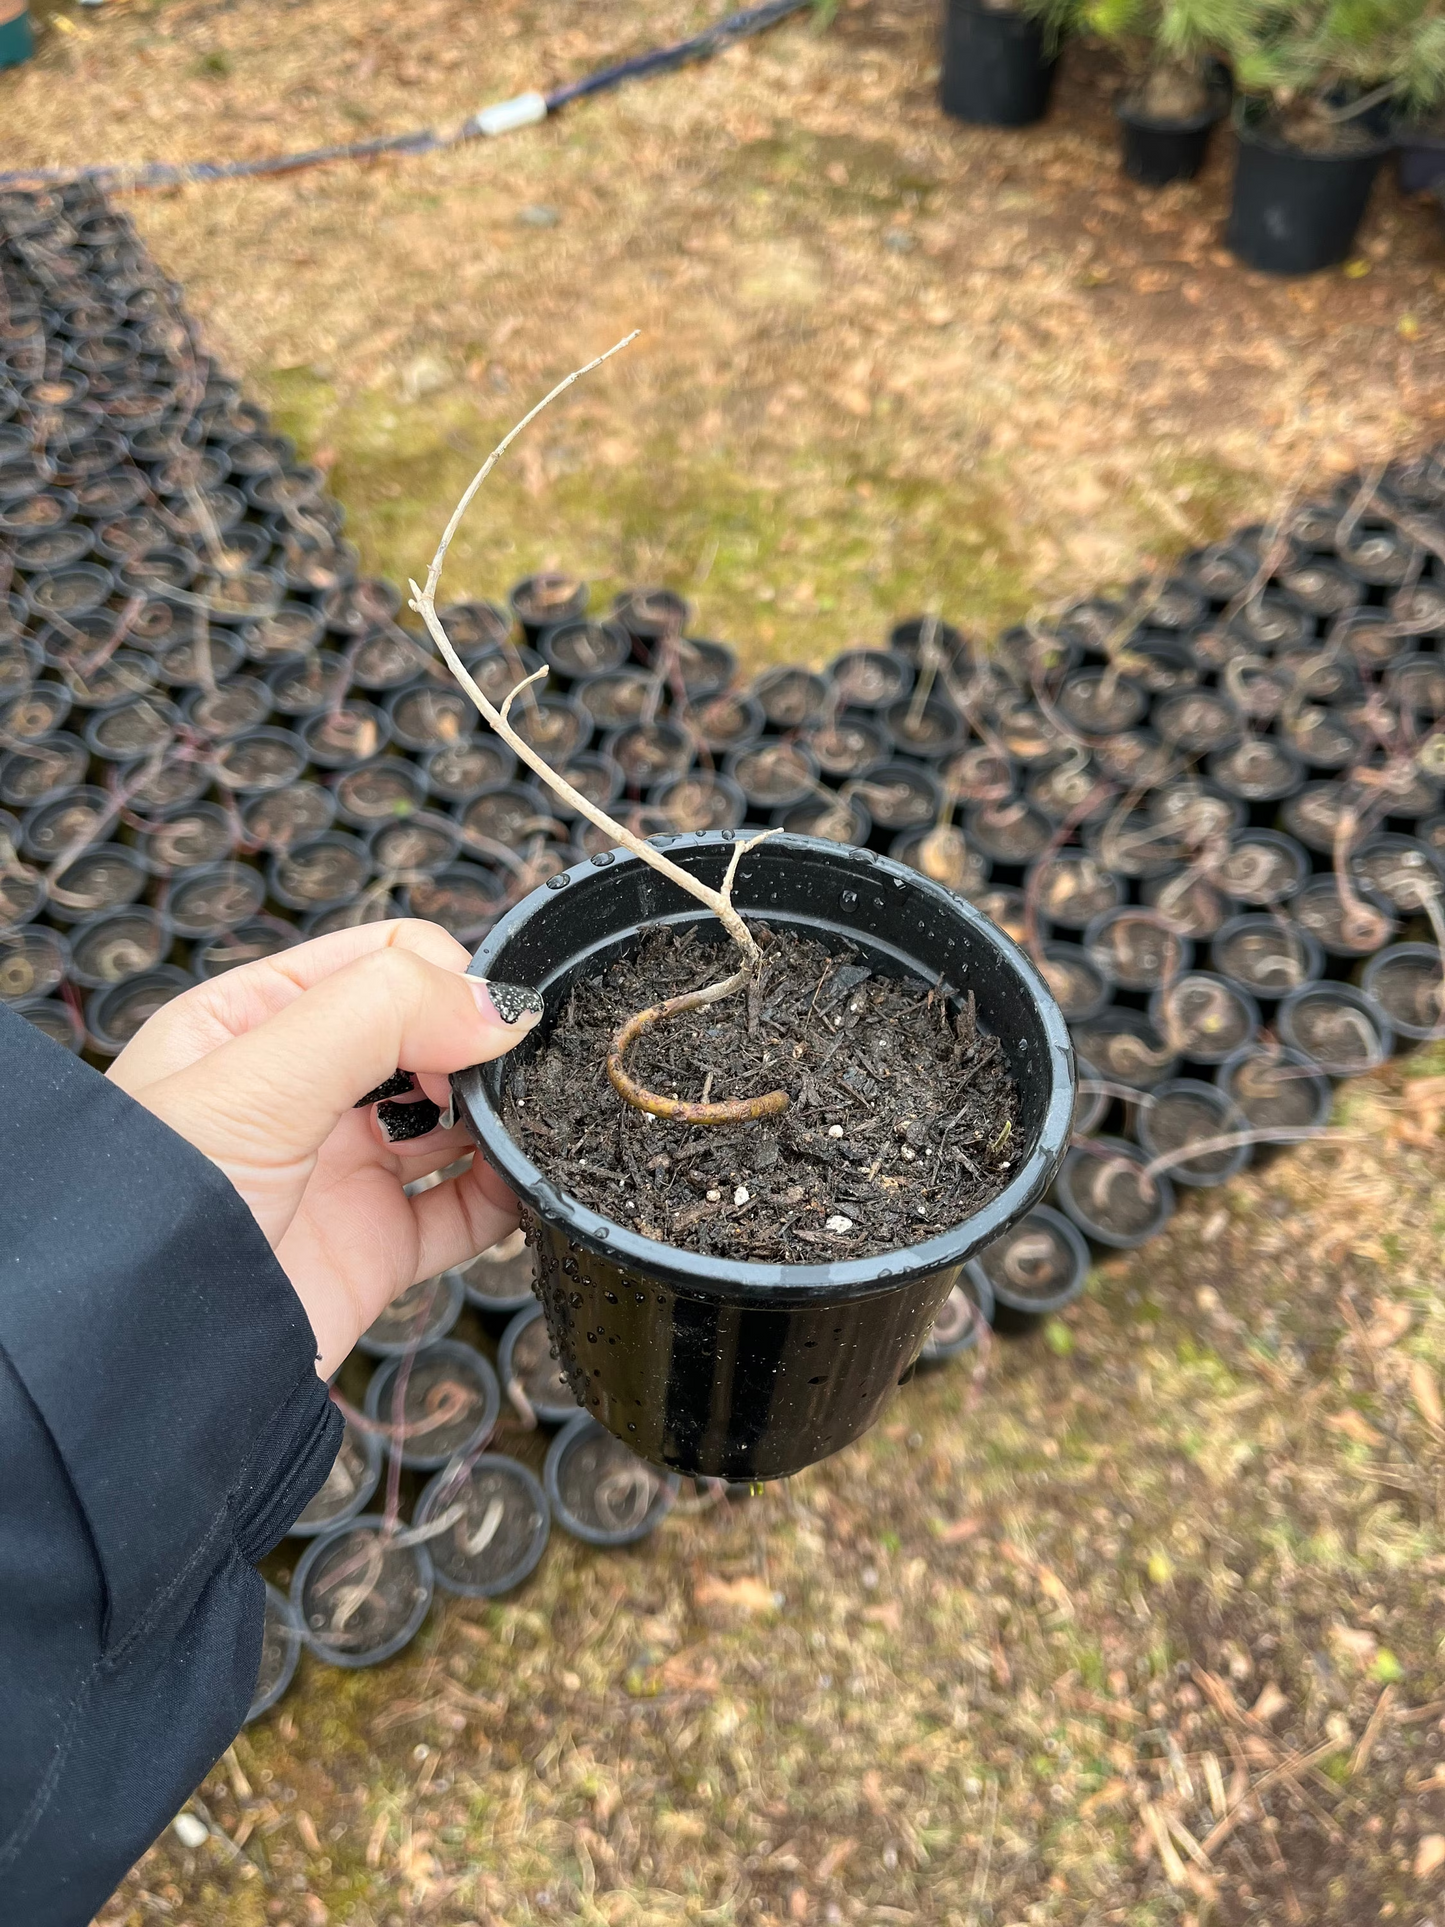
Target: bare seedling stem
[718,901]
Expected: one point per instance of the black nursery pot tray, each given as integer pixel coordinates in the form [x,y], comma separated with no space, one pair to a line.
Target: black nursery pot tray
[718,1367]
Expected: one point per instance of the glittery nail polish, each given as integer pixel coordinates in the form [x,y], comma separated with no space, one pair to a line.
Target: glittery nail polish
[513,1003]
[401,1122]
[397,1085]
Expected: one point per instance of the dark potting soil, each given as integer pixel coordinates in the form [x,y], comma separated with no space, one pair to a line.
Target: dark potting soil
[902,1118]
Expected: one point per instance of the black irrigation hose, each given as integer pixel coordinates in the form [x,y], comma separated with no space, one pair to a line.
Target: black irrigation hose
[524,110]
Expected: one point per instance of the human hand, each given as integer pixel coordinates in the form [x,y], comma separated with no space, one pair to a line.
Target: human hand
[261,1069]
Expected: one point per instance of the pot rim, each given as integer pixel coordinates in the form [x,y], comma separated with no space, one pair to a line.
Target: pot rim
[733,1280]
[1255,122]
[1210,116]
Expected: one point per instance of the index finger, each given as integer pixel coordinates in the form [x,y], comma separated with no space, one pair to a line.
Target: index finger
[200,1020]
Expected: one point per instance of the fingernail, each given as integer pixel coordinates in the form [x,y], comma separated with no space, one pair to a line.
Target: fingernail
[397,1085]
[401,1122]
[512,1004]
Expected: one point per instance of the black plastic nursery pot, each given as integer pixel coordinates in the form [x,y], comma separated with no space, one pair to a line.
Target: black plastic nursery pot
[1277,1089]
[425,1312]
[729,1369]
[1157,152]
[500,1281]
[1406,984]
[961,1320]
[1187,1112]
[600,1491]
[355,1474]
[996,72]
[361,1594]
[1420,159]
[1037,1267]
[1337,1028]
[531,1374]
[1103,1189]
[498,1525]
[280,1650]
[451,1402]
[1296,212]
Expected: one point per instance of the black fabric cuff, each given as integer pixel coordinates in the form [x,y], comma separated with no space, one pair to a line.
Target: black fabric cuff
[149,1321]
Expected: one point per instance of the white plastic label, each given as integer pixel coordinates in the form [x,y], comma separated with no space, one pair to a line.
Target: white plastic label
[524,111]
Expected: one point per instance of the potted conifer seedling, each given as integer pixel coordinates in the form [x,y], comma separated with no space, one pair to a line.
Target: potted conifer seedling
[999,58]
[780,1092]
[1178,90]
[1418,71]
[1317,81]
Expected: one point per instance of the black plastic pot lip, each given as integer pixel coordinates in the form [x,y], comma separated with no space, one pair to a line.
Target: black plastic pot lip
[731,1279]
[1253,120]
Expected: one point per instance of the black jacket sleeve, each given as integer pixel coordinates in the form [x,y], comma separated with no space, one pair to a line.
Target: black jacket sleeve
[161,1426]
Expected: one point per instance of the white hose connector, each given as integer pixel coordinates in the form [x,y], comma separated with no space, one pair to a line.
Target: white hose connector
[524,111]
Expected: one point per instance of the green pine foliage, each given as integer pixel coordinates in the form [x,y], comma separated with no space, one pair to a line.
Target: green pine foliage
[1296,49]
[1288,50]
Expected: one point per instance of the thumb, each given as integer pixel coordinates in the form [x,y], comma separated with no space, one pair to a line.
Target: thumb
[278,1091]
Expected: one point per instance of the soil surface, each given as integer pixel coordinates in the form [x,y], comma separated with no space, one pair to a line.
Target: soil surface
[901,1121]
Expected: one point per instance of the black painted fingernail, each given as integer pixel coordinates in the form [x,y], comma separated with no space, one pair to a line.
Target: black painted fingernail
[399,1122]
[397,1085]
[513,1003]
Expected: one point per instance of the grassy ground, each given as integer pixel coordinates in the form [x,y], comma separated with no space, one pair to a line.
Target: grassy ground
[1182,1553]
[885,360]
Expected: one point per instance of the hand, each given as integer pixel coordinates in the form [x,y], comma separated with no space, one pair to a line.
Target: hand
[261,1069]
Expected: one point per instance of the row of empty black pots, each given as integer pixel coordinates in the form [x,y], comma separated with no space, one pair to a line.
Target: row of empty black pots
[1212,808]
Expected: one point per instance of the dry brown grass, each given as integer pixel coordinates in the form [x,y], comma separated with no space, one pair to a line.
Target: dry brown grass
[1011,1659]
[1133,1627]
[885,358]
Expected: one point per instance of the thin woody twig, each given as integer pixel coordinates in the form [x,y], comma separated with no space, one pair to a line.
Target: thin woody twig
[718,901]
